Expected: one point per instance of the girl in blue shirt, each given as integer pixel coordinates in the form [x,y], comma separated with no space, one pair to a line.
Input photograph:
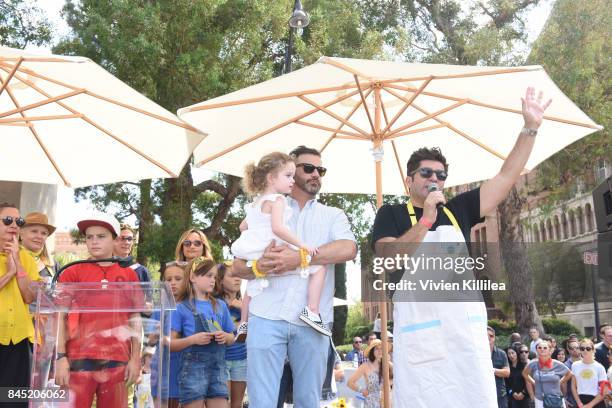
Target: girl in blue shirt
[201,328]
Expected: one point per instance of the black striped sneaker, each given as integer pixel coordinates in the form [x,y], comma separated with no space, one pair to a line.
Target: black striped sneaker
[314,321]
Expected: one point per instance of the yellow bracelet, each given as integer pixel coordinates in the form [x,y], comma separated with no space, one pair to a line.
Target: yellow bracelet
[258,274]
[304,261]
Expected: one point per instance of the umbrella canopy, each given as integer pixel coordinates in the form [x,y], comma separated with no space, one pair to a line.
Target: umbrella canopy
[65,120]
[347,107]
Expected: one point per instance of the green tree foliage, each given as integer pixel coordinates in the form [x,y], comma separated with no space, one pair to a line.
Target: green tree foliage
[22,23]
[575,50]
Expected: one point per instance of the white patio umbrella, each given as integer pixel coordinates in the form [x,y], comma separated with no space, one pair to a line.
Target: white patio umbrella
[352,109]
[66,120]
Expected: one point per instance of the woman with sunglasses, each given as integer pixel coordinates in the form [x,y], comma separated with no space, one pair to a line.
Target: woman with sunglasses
[545,375]
[192,244]
[590,378]
[515,384]
[17,271]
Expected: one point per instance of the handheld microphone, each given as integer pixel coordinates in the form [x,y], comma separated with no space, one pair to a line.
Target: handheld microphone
[434,187]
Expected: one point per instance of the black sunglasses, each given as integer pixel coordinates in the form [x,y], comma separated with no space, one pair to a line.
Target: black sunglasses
[309,168]
[8,220]
[195,243]
[524,351]
[586,348]
[128,239]
[426,172]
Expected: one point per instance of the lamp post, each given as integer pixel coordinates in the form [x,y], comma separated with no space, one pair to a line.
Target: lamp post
[299,19]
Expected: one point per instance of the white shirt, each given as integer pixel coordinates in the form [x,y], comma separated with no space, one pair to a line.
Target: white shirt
[588,377]
[316,225]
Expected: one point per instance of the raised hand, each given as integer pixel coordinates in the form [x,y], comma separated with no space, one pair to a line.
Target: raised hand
[533,108]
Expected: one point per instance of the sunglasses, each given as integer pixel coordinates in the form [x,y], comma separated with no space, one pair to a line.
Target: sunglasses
[524,352]
[426,172]
[572,348]
[542,348]
[195,243]
[586,348]
[310,168]
[127,239]
[8,220]
[359,341]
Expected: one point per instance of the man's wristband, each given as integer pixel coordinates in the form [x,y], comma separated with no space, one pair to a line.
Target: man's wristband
[258,274]
[305,258]
[424,221]
[529,131]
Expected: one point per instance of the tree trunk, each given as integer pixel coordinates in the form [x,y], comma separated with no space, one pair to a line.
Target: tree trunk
[231,192]
[514,256]
[176,209]
[145,217]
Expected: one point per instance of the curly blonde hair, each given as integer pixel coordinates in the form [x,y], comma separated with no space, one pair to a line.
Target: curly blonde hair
[255,178]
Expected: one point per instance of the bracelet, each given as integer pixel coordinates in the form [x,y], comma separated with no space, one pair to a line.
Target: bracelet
[424,221]
[305,258]
[529,131]
[258,274]
[22,274]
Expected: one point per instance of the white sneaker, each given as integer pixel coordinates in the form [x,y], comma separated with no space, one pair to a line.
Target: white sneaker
[241,333]
[314,321]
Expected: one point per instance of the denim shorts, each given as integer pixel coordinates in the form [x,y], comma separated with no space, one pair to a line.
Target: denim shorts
[203,376]
[236,370]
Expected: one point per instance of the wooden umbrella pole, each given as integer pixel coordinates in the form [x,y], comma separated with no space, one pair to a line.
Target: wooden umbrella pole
[379,200]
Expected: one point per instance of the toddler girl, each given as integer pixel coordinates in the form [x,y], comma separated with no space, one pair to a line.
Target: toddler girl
[266,220]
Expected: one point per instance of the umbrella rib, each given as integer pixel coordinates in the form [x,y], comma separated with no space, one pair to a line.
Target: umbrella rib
[333,115]
[399,166]
[38,118]
[454,129]
[419,130]
[33,59]
[406,105]
[11,74]
[321,127]
[365,105]
[42,103]
[38,140]
[95,95]
[273,128]
[427,117]
[347,117]
[458,76]
[343,67]
[92,123]
[269,98]
[495,107]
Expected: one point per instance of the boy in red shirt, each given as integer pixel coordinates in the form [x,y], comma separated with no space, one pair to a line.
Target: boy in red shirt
[98,353]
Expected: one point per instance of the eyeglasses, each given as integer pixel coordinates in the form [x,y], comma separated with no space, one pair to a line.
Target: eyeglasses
[586,348]
[542,348]
[524,351]
[195,243]
[127,239]
[572,348]
[8,220]
[309,168]
[358,341]
[426,172]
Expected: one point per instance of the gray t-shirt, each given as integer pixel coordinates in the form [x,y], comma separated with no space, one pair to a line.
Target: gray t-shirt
[547,381]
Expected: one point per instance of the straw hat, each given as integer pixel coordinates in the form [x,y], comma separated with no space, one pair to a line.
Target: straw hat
[36,218]
[373,344]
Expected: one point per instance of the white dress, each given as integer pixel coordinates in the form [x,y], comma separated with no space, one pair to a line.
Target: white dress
[252,241]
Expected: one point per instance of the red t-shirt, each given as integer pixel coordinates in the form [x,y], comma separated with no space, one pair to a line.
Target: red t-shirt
[96,334]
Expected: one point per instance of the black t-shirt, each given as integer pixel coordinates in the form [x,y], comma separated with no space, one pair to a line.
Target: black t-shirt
[393,220]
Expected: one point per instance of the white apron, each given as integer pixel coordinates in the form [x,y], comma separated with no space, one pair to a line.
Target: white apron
[441,350]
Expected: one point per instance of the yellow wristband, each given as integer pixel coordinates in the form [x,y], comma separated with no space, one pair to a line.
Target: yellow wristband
[258,274]
[304,258]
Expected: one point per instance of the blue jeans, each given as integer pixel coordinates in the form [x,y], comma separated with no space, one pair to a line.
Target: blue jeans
[268,343]
[203,376]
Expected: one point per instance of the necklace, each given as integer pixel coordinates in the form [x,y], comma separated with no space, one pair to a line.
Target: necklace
[104,270]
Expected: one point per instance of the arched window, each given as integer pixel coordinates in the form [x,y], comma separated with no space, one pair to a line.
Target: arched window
[557,228]
[549,230]
[588,214]
[535,233]
[580,219]
[572,224]
[564,225]
[543,232]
